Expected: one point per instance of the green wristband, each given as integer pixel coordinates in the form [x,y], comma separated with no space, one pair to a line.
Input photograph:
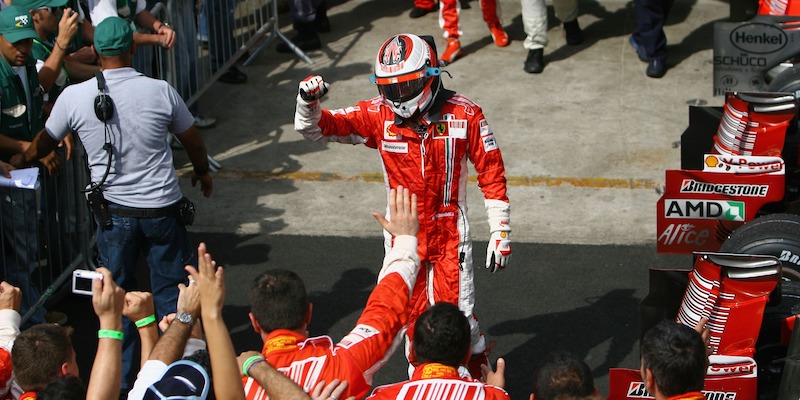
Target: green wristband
[145,321]
[249,363]
[109,334]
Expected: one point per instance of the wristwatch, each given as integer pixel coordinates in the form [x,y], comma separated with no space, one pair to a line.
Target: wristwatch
[186,318]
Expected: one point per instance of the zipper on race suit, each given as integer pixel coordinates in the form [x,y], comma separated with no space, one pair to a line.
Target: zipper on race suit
[422,150]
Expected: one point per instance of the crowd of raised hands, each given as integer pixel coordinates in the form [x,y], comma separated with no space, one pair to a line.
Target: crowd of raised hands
[170,342]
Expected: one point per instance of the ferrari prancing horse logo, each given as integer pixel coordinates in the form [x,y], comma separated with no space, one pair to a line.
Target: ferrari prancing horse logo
[441,129]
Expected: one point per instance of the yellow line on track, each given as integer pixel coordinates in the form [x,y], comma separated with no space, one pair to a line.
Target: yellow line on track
[521,181]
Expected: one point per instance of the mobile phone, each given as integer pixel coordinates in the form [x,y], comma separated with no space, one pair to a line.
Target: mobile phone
[82,281]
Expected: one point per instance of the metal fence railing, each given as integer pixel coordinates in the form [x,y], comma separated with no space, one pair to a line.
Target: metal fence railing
[46,233]
[49,232]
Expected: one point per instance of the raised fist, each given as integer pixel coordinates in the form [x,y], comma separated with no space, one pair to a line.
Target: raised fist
[313,88]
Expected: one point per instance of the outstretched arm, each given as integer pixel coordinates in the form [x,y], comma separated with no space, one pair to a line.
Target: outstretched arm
[210,281]
[107,300]
[387,308]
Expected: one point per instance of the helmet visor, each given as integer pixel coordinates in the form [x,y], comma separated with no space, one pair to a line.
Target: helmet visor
[402,91]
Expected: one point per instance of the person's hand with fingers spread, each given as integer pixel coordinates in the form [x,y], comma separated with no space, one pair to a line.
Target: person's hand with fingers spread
[402,211]
[210,280]
[10,296]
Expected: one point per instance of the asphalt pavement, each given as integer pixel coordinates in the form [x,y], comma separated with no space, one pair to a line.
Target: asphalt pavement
[585,143]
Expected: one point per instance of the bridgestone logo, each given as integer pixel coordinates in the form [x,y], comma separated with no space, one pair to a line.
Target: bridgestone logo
[693,186]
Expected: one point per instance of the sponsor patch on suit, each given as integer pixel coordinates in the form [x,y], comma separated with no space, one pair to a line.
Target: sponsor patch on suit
[391,131]
[454,128]
[394,147]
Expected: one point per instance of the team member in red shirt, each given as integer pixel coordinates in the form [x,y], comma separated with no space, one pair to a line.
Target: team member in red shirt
[674,361]
[448,20]
[441,344]
[425,135]
[281,312]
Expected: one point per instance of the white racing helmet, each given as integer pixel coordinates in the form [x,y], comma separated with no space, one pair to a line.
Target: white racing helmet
[406,73]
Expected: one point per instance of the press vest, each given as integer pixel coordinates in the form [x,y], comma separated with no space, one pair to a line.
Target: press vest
[12,94]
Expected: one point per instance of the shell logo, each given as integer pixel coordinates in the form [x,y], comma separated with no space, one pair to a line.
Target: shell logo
[712,161]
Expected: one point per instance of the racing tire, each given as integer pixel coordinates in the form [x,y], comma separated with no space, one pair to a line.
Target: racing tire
[770,349]
[775,235]
[786,82]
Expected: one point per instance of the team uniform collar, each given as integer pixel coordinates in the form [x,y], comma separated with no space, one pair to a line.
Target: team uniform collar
[281,340]
[435,371]
[120,73]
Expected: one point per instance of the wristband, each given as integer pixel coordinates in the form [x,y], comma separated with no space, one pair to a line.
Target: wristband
[109,334]
[145,321]
[249,364]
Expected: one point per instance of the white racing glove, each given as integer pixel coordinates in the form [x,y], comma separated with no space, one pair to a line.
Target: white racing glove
[313,88]
[308,112]
[498,253]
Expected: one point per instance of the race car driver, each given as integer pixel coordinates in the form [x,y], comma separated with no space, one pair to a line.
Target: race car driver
[425,134]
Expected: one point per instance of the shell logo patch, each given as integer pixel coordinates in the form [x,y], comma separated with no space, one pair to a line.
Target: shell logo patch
[390,131]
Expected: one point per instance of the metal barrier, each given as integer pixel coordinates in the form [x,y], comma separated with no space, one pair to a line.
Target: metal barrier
[228,30]
[49,232]
[46,233]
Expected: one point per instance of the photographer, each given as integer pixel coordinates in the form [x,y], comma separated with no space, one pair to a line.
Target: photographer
[135,194]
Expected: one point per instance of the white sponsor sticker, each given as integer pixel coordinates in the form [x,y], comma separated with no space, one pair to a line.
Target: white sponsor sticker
[743,164]
[728,189]
[394,147]
[360,333]
[457,128]
[391,131]
[485,128]
[489,143]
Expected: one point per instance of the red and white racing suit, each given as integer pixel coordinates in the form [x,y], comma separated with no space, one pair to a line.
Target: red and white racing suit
[449,11]
[364,350]
[435,381]
[430,159]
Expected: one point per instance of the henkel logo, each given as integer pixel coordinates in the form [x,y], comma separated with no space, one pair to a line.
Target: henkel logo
[704,209]
[637,390]
[677,234]
[758,38]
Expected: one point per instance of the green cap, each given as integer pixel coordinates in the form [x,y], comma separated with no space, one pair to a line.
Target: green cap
[113,36]
[16,24]
[34,4]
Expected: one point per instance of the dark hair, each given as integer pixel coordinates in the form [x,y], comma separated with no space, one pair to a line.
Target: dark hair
[38,354]
[676,355]
[63,388]
[202,359]
[442,335]
[560,375]
[278,300]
